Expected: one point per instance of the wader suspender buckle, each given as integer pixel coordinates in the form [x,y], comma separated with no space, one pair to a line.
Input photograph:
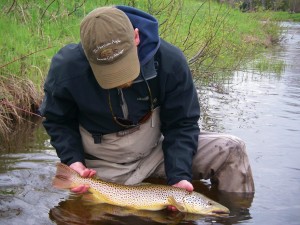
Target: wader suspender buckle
[97,138]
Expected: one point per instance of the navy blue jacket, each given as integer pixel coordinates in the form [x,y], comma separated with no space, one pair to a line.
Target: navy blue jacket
[73,97]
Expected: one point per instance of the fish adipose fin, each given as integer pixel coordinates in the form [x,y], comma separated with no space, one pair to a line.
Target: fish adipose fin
[178,205]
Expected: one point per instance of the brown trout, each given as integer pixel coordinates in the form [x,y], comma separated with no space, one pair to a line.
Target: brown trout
[140,197]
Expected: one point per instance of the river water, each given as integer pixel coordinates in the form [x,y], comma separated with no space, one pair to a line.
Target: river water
[262,109]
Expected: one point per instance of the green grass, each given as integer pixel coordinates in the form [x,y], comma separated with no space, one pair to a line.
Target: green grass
[268,66]
[39,29]
[281,16]
[7,192]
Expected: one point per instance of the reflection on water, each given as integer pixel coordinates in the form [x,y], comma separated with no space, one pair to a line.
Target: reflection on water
[22,136]
[262,109]
[76,211]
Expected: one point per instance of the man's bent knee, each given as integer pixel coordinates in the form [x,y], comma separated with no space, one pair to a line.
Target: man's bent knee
[223,159]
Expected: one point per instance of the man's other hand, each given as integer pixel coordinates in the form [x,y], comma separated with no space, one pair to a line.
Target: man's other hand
[185,185]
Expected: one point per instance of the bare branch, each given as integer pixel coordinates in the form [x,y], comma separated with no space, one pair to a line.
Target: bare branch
[191,22]
[12,5]
[46,9]
[31,53]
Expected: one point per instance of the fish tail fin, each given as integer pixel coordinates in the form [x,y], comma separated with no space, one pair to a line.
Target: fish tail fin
[61,183]
[63,177]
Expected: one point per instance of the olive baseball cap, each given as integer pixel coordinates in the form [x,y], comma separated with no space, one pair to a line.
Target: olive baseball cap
[107,38]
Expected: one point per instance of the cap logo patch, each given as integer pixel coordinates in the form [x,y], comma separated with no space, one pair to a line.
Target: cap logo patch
[106,52]
[108,55]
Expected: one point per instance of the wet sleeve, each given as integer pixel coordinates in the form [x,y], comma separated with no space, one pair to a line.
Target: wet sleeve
[180,112]
[60,116]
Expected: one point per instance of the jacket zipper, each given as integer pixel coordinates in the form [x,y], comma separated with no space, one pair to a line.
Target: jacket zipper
[123,103]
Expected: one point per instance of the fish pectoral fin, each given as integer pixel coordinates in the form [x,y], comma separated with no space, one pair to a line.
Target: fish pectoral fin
[178,205]
[90,199]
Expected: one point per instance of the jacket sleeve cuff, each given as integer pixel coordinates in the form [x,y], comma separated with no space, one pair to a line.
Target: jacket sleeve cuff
[175,180]
[68,162]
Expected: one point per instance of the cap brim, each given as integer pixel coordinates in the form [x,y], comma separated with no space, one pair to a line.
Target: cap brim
[118,73]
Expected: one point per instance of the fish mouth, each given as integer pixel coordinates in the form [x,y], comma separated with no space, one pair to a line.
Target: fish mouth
[220,212]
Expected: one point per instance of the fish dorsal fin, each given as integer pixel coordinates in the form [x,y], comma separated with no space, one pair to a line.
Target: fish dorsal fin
[178,205]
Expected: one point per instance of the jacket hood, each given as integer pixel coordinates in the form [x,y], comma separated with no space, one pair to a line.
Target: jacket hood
[148,31]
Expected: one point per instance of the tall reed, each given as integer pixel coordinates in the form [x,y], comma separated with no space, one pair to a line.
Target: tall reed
[19,99]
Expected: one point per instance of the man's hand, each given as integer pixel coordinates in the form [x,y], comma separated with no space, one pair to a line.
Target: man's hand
[185,185]
[84,172]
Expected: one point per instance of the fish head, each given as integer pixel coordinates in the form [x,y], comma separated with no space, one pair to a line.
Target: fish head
[199,204]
